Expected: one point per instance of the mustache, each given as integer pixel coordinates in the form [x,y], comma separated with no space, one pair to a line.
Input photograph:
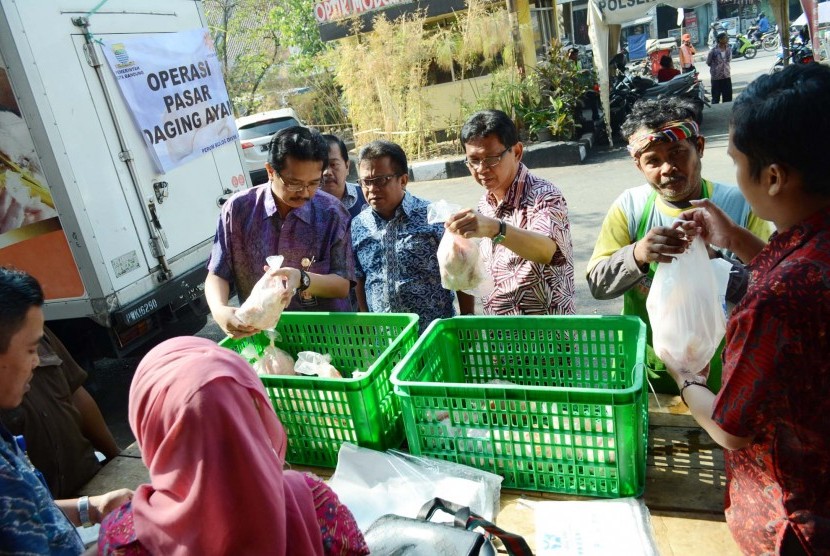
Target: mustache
[673,180]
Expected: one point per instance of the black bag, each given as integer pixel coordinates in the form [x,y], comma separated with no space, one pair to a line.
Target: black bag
[394,535]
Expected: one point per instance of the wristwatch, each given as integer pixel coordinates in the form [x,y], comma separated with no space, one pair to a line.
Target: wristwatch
[305,281]
[83,511]
[499,237]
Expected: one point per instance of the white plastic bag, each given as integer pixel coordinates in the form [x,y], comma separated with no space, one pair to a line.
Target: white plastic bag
[264,306]
[459,260]
[373,484]
[273,360]
[686,310]
[313,363]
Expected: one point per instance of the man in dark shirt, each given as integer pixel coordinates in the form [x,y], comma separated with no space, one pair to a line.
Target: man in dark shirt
[60,422]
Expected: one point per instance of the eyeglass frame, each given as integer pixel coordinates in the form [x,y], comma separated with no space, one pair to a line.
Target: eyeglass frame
[295,188]
[386,179]
[481,164]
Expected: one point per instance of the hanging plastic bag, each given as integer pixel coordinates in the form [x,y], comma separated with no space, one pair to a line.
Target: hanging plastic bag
[313,363]
[273,360]
[264,306]
[686,310]
[459,259]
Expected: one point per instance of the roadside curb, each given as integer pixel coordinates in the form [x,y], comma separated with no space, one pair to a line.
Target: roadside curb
[538,155]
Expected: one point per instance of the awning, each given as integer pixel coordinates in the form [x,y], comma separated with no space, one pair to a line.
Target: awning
[823,15]
[640,21]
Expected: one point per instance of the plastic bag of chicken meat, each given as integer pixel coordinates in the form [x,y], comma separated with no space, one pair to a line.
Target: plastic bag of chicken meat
[459,259]
[264,306]
[687,316]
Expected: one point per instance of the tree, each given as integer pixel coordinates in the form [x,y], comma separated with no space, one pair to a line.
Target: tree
[248,47]
[297,27]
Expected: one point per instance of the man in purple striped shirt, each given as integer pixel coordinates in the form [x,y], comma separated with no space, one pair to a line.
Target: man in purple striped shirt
[287,216]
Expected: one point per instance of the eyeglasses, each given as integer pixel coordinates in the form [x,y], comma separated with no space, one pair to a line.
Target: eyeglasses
[488,162]
[296,187]
[377,181]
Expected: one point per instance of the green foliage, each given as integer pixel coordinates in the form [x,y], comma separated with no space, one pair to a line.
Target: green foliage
[294,22]
[561,84]
[247,47]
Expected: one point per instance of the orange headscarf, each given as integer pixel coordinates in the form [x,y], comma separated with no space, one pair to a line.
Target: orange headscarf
[214,449]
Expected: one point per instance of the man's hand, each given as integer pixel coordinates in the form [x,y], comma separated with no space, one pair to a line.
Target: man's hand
[469,223]
[101,505]
[227,320]
[661,244]
[713,225]
[682,375]
[292,280]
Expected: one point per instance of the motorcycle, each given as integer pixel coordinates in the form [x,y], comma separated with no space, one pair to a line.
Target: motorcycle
[800,53]
[716,28]
[742,48]
[769,41]
[628,89]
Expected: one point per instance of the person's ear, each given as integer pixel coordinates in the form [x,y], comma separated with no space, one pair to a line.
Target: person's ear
[270,170]
[637,163]
[518,150]
[776,179]
[700,144]
[404,180]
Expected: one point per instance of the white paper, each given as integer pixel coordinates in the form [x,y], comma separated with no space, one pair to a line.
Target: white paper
[594,528]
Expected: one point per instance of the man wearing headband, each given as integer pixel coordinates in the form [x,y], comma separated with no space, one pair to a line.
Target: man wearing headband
[637,232]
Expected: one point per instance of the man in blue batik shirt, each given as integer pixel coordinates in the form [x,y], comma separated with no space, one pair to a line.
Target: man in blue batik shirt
[394,247]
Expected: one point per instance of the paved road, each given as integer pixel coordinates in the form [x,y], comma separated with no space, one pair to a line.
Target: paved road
[589,189]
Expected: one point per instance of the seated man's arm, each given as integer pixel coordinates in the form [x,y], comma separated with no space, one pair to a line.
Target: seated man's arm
[93,425]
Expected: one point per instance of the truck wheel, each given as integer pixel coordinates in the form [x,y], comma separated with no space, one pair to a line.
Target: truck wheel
[750,52]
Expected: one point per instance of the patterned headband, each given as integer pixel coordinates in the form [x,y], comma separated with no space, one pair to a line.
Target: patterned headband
[671,132]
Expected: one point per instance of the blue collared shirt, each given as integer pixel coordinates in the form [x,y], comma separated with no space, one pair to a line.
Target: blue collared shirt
[353,199]
[397,259]
[30,522]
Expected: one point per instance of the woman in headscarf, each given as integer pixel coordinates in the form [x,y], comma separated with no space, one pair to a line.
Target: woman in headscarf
[215,452]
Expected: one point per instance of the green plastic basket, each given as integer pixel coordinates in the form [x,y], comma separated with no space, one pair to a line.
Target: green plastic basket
[319,414]
[572,420]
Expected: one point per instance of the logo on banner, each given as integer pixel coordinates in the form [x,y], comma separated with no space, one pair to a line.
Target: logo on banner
[121,55]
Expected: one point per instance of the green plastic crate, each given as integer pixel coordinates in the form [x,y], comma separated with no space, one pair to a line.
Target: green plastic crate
[319,414]
[573,421]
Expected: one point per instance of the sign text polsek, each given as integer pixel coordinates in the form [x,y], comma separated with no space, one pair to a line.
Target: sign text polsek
[180,100]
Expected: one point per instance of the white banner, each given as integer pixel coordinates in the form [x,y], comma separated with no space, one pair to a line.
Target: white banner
[173,85]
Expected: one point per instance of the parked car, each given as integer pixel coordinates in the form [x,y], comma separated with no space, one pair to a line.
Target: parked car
[255,132]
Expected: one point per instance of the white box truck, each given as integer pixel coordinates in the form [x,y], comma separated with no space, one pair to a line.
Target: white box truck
[118,246]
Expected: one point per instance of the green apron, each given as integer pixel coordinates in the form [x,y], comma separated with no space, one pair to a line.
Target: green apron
[634,303]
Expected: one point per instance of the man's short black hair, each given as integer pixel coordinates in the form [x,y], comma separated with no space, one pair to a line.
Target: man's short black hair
[379,149]
[19,292]
[490,122]
[721,35]
[665,61]
[654,114]
[783,119]
[300,143]
[335,140]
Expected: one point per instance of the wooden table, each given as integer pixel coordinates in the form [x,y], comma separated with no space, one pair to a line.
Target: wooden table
[684,492]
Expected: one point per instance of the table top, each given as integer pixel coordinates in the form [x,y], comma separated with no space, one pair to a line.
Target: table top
[684,493]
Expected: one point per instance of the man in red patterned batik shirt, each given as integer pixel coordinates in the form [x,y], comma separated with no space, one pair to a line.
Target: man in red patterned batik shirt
[771,413]
[523,220]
